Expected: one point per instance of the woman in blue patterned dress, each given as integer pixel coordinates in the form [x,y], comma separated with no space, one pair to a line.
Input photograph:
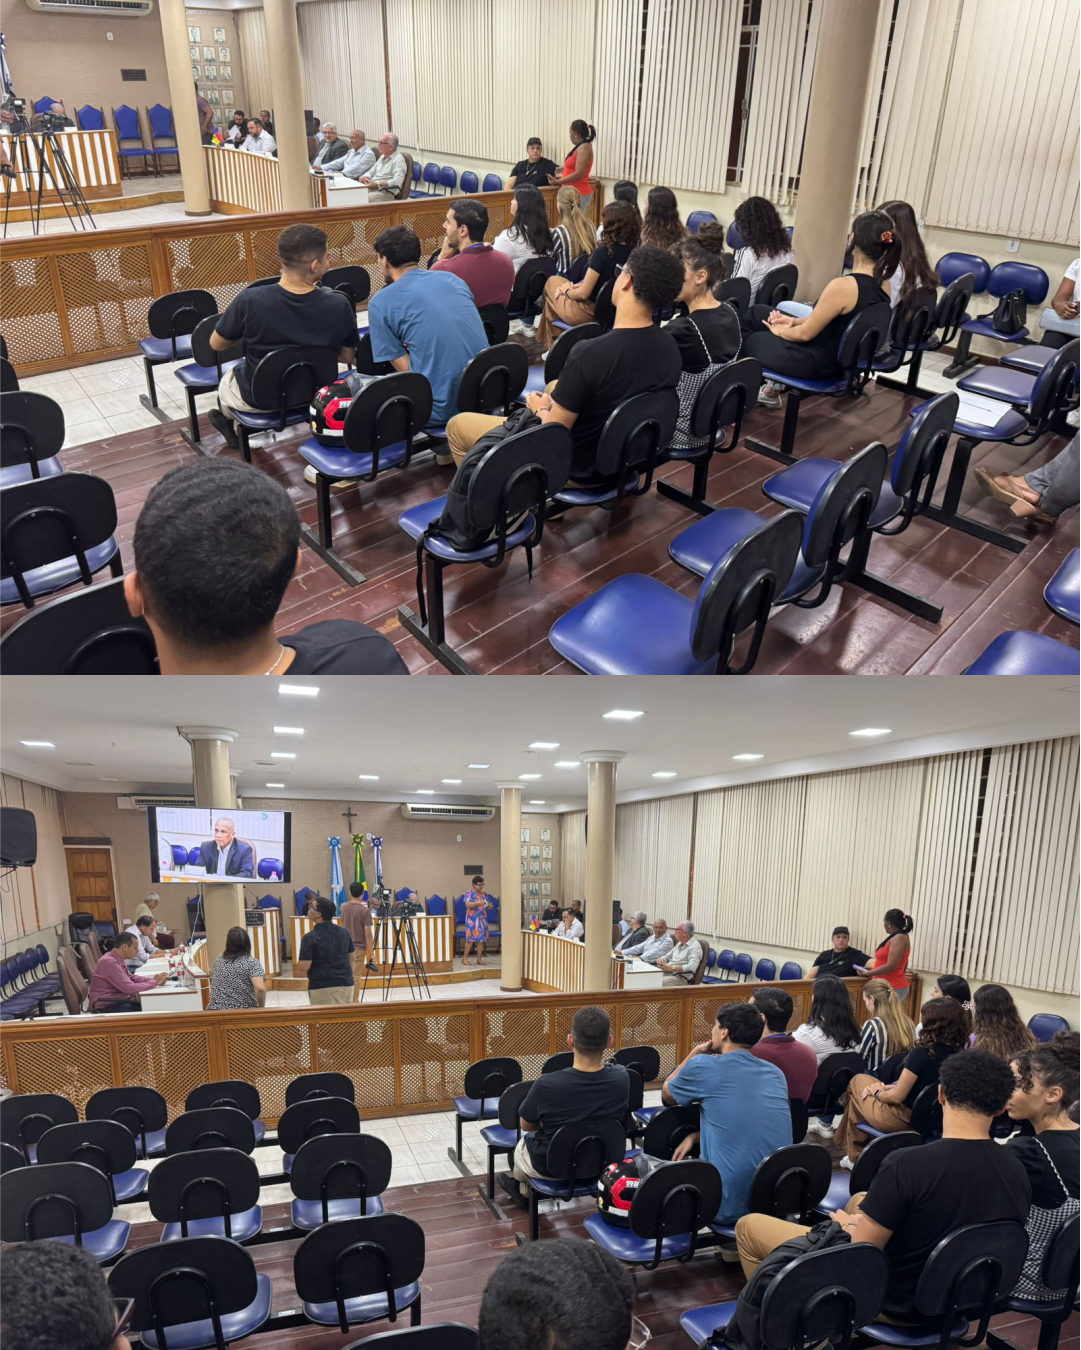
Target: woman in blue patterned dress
[477,906]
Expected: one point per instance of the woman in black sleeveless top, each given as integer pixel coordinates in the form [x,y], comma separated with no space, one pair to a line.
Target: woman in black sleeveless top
[806,348]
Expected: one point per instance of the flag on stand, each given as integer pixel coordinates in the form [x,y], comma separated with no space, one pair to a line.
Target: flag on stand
[337,887]
[358,861]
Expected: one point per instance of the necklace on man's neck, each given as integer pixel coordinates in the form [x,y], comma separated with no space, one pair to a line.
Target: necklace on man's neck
[277,663]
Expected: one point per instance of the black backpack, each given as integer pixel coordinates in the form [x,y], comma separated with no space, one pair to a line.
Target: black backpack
[1009,316]
[454,525]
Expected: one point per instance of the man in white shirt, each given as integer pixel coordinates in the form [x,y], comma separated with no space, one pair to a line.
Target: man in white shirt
[570,927]
[388,175]
[658,946]
[144,930]
[354,162]
[259,141]
[685,957]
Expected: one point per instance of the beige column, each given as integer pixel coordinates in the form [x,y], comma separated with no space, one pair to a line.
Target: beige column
[283,52]
[510,886]
[600,864]
[831,148]
[214,787]
[182,94]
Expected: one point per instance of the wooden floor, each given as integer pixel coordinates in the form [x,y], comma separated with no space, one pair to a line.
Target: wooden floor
[499,621]
[464,1244]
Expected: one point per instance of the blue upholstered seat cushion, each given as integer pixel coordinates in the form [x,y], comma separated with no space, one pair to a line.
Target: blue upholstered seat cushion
[244,1225]
[308,1214]
[370,1308]
[417,519]
[835,384]
[104,1243]
[838,1195]
[1011,423]
[55,576]
[1024,653]
[1032,358]
[552,1188]
[155,1143]
[701,1323]
[593,496]
[498,1136]
[1061,592]
[886,1333]
[131,1183]
[799,485]
[269,421]
[287,1162]
[627,1246]
[469,1108]
[198,377]
[161,349]
[194,1335]
[259,1126]
[983,327]
[634,625]
[1004,383]
[11,474]
[534,381]
[645,1114]
[335,461]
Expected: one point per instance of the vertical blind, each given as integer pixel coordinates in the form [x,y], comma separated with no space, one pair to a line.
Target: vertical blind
[452,62]
[617,42]
[402,86]
[32,898]
[251,28]
[342,65]
[572,855]
[653,856]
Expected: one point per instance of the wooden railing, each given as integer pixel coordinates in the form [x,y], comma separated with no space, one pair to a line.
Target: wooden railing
[71,299]
[402,1057]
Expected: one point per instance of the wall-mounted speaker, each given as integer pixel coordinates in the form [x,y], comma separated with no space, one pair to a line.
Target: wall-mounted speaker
[18,837]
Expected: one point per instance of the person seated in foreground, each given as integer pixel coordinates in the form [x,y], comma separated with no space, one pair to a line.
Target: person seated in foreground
[488,274]
[332,146]
[684,959]
[766,244]
[841,959]
[574,237]
[796,1061]
[626,191]
[572,302]
[295,312]
[55,1295]
[920,1195]
[562,1294]
[534,169]
[258,141]
[354,161]
[388,173]
[216,544]
[637,938]
[830,1028]
[423,320]
[1061,321]
[634,358]
[708,335]
[528,236]
[661,225]
[113,988]
[657,946]
[1042,495]
[570,927]
[589,1090]
[744,1104]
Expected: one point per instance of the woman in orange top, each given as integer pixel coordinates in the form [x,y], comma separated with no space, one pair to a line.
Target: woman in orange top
[892,953]
[579,163]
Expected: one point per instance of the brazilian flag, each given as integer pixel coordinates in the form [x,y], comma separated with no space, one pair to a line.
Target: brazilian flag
[358,862]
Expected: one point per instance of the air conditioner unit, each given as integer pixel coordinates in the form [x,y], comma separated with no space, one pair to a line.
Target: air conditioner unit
[134,802]
[121,9]
[416,811]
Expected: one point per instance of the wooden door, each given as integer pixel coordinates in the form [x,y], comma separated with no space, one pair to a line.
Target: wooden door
[90,877]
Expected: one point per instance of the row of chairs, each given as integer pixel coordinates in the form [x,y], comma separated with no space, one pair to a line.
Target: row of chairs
[153,154]
[26,983]
[442,181]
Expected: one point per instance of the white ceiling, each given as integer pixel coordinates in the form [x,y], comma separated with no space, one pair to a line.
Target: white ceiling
[413,733]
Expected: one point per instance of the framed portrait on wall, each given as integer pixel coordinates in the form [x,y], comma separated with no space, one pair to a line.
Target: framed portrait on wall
[210,72]
[525,867]
[546,888]
[525,836]
[227,113]
[213,98]
[227,97]
[546,851]
[209,54]
[223,54]
[546,836]
[546,868]
[534,867]
[225,72]
[219,34]
[534,850]
[196,53]
[196,73]
[534,889]
[525,850]
[195,34]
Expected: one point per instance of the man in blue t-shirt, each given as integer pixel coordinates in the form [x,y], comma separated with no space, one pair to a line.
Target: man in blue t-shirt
[423,321]
[744,1102]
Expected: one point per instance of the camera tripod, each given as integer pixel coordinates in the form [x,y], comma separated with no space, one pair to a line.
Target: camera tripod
[398,939]
[63,179]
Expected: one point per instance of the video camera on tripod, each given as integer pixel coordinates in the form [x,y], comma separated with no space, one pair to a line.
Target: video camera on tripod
[19,122]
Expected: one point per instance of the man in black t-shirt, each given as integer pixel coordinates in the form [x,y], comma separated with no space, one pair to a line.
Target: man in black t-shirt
[920,1195]
[840,959]
[296,312]
[589,1090]
[329,949]
[534,169]
[216,544]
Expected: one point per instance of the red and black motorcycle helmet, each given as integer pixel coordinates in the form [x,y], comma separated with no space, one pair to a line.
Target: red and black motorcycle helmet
[616,1188]
[331,405]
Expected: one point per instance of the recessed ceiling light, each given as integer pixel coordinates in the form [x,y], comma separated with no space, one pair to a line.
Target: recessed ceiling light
[544,745]
[281,785]
[425,792]
[368,777]
[528,777]
[450,780]
[308,690]
[39,745]
[534,802]
[872,731]
[478,766]
[666,773]
[749,756]
[567,763]
[282,754]
[107,780]
[624,714]
[288,731]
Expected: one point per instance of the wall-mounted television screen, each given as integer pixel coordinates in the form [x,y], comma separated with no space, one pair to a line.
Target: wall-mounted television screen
[189,843]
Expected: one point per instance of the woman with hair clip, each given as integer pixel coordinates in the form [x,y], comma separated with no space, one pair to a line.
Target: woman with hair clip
[955,987]
[574,237]
[914,272]
[579,162]
[528,235]
[997,1025]
[806,347]
[1046,1097]
[708,335]
[888,1107]
[891,955]
[661,225]
[888,1029]
[573,302]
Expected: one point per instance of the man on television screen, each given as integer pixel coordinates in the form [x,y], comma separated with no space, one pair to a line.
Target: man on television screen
[225,855]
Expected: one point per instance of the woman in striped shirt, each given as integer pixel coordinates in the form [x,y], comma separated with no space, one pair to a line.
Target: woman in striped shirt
[888,1029]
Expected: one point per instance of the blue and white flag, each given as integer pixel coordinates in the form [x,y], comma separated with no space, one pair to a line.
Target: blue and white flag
[5,74]
[377,854]
[337,885]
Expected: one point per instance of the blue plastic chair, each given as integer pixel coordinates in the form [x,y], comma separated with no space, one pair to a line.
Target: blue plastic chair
[470,182]
[448,178]
[436,905]
[88,1208]
[742,966]
[697,219]
[430,176]
[90,118]
[766,969]
[667,1210]
[159,119]
[791,970]
[46,102]
[126,122]
[734,238]
[726,960]
[36,515]
[31,435]
[1045,1025]
[492,183]
[1063,591]
[1032,358]
[1001,280]
[172,320]
[484,1083]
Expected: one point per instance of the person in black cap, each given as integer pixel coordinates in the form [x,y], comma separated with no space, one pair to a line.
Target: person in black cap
[840,960]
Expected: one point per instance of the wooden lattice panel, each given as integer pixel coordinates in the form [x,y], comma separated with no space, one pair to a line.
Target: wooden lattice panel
[269,1058]
[28,310]
[106,294]
[522,1033]
[76,1067]
[365,1051]
[801,1008]
[564,1016]
[654,1023]
[434,1057]
[173,1063]
[217,263]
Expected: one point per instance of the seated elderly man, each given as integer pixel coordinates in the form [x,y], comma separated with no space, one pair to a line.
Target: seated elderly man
[144,930]
[657,945]
[355,161]
[54,118]
[684,958]
[639,935]
[388,175]
[332,146]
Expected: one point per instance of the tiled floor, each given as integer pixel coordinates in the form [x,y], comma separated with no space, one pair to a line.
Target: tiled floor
[161,214]
[298,998]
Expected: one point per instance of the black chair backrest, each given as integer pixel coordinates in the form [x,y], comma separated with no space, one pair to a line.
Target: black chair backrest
[637,433]
[724,399]
[777,285]
[970,1269]
[203,353]
[493,379]
[875,1154]
[365,362]
[210,1127]
[496,322]
[841,510]
[926,1119]
[308,1085]
[210,1183]
[53,1200]
[229,1092]
[48,519]
[10,1158]
[924,443]
[562,1059]
[739,591]
[736,291]
[176,315]
[434,1336]
[352,1258]
[824,1295]
[189,1280]
[529,284]
[951,307]
[9,381]
[890,1068]
[912,324]
[31,428]
[510,1102]
[1060,1260]
[140,1109]
[790,1180]
[341,1166]
[604,311]
[861,342]
[1055,385]
[491,1077]
[390,409]
[644,1060]
[679,1198]
[354,282]
[26,1116]
[89,632]
[323,1115]
[518,475]
[563,346]
[80,925]
[797,1109]
[834,1075]
[289,378]
[668,1129]
[578,1152]
[104,1144]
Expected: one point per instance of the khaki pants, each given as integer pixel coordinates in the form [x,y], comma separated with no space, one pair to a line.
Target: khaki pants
[339,993]
[675,981]
[382,195]
[882,1115]
[522,1165]
[464,430]
[573,312]
[759,1234]
[230,399]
